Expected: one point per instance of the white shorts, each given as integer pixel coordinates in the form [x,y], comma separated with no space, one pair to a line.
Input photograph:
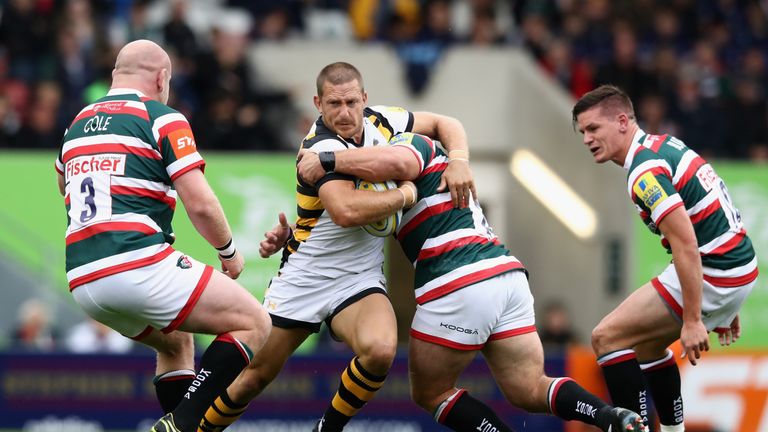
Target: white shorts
[496,308]
[160,295]
[719,305]
[293,306]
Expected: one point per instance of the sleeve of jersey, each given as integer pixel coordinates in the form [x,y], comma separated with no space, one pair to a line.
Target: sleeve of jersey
[422,148]
[654,193]
[400,119]
[177,144]
[329,145]
[59,164]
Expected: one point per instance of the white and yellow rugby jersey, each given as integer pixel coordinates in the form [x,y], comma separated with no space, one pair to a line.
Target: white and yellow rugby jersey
[319,247]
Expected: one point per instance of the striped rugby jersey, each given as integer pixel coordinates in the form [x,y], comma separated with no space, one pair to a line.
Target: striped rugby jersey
[319,250]
[119,158]
[450,248]
[664,174]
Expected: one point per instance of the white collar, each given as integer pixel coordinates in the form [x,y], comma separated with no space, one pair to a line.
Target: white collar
[122,91]
[633,148]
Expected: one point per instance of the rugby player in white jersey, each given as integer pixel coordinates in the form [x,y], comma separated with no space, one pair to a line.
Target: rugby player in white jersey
[681,198]
[332,271]
[471,294]
[123,161]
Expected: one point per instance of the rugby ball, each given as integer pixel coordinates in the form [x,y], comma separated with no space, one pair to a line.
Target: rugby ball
[388,225]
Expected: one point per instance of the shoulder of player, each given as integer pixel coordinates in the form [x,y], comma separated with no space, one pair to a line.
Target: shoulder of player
[382,112]
[323,141]
[157,109]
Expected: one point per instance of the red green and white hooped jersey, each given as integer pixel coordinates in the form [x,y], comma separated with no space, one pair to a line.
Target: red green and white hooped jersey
[665,174]
[450,248]
[119,158]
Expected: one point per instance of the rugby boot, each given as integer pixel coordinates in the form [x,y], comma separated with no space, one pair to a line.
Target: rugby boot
[165,424]
[623,420]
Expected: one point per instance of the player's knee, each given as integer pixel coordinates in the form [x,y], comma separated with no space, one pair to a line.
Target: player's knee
[425,399]
[602,340]
[378,355]
[176,345]
[257,328]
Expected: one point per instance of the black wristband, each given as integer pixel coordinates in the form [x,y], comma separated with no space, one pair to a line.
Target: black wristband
[327,161]
[226,246]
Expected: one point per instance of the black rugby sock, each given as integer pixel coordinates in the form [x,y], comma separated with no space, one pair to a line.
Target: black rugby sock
[570,401]
[171,386]
[663,377]
[462,412]
[626,382]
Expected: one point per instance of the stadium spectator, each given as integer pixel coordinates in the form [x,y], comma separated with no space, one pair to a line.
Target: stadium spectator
[556,331]
[238,113]
[653,117]
[43,127]
[332,271]
[34,329]
[624,69]
[573,74]
[714,268]
[91,336]
[120,167]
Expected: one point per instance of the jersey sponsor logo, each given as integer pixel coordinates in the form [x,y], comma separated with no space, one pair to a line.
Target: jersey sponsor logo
[109,106]
[184,262]
[182,142]
[707,177]
[403,138]
[109,163]
[648,189]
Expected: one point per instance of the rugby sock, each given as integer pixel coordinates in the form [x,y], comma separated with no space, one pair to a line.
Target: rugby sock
[626,382]
[570,401]
[171,386]
[357,387]
[663,379]
[222,413]
[462,412]
[219,366]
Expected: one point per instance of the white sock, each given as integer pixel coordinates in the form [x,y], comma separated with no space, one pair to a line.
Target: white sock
[673,428]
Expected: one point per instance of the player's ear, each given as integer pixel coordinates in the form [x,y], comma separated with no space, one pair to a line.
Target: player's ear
[316,99]
[623,122]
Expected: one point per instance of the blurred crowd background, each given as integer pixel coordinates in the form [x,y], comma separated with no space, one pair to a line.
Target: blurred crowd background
[694,68]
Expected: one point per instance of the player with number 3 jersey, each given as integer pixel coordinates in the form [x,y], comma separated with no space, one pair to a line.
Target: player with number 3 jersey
[123,161]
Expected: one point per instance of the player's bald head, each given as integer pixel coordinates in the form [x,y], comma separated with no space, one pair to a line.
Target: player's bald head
[141,56]
[143,65]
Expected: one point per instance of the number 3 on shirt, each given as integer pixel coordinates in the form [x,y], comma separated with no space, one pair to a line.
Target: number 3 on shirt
[89,182]
[90,199]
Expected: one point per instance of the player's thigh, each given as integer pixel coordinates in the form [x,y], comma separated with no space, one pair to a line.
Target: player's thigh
[224,306]
[434,370]
[517,364]
[367,324]
[642,317]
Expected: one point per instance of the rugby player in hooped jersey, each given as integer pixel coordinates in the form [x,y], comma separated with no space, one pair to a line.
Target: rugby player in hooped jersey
[332,271]
[122,163]
[471,294]
[681,198]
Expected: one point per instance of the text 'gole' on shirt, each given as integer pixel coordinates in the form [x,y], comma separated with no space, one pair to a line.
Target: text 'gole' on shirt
[665,174]
[319,249]
[119,158]
[450,248]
